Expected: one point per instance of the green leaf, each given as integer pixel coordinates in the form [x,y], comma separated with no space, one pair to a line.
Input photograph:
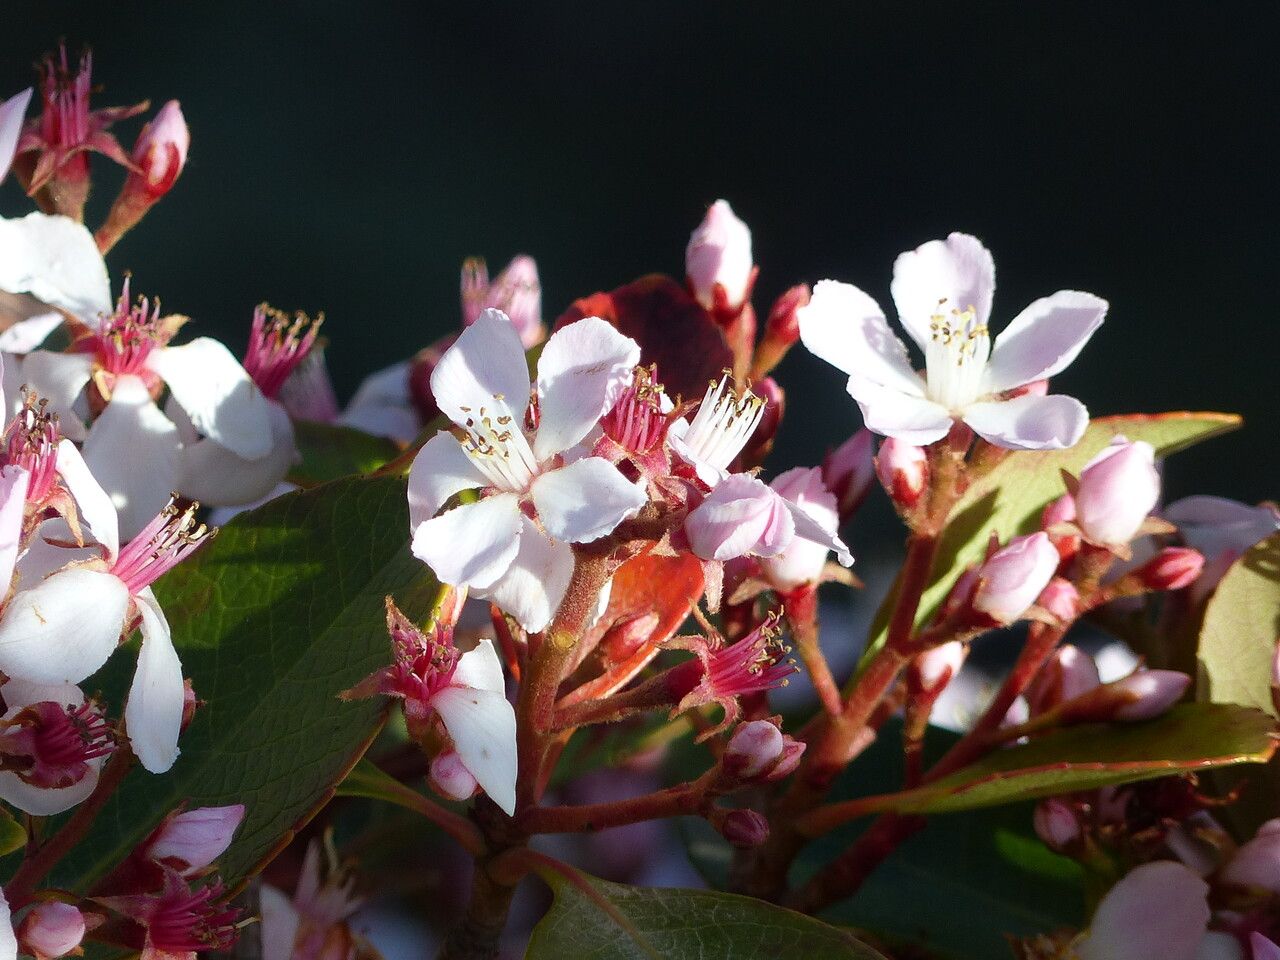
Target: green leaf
[281,612]
[1010,498]
[1241,627]
[593,919]
[13,835]
[330,451]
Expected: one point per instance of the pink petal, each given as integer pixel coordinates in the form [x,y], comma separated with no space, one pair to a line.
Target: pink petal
[956,273]
[1043,339]
[846,328]
[534,584]
[39,801]
[473,544]
[1157,911]
[741,516]
[891,413]
[1029,422]
[440,470]
[1263,948]
[486,361]
[585,500]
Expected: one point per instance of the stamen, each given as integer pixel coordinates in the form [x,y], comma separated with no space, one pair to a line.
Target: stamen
[128,336]
[636,422]
[725,421]
[956,356]
[162,544]
[278,343]
[32,444]
[495,442]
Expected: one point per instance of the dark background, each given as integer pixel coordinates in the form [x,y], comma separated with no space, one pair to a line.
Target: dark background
[347,156]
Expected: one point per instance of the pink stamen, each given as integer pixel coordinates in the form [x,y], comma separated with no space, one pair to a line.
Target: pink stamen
[636,423]
[424,663]
[64,123]
[161,545]
[128,336]
[277,344]
[32,444]
[753,664]
[49,745]
[183,920]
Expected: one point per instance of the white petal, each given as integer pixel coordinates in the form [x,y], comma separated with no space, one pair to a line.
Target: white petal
[1157,911]
[581,371]
[30,323]
[280,923]
[952,274]
[382,406]
[483,727]
[96,509]
[585,500]
[480,669]
[45,554]
[63,629]
[845,327]
[1029,422]
[891,413]
[535,582]
[60,378]
[223,402]
[12,112]
[216,476]
[472,544]
[1043,339]
[487,360]
[56,260]
[441,469]
[40,801]
[13,503]
[1216,525]
[134,452]
[153,715]
[808,528]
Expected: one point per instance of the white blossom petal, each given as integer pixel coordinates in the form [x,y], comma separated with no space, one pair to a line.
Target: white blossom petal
[96,509]
[891,413]
[30,322]
[807,527]
[535,582]
[60,378]
[482,725]
[1029,422]
[217,477]
[56,260]
[485,362]
[845,327]
[12,112]
[440,470]
[473,544]
[585,500]
[1156,911]
[941,276]
[480,669]
[382,405]
[134,452]
[64,628]
[1043,339]
[218,395]
[42,801]
[13,503]
[582,370]
[153,715]
[280,923]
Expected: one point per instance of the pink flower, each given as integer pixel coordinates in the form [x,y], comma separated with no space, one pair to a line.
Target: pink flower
[1012,578]
[940,665]
[1222,530]
[11,113]
[1257,863]
[943,292]
[1056,823]
[802,560]
[51,929]
[741,516]
[1157,911]
[451,778]
[719,256]
[180,921]
[1068,674]
[1118,488]
[517,292]
[312,925]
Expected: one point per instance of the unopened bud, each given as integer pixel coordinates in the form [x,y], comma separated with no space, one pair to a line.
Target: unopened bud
[848,472]
[192,840]
[781,330]
[753,748]
[719,255]
[159,156]
[1141,695]
[744,828]
[1014,576]
[1068,674]
[1056,823]
[189,703]
[52,929]
[1118,488]
[1058,520]
[450,778]
[792,752]
[1060,598]
[1171,569]
[903,471]
[939,666]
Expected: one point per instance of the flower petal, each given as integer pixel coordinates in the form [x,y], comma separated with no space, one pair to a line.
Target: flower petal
[1157,911]
[952,274]
[217,477]
[1029,422]
[60,378]
[581,371]
[482,725]
[1043,339]
[535,583]
[891,413]
[13,503]
[30,322]
[280,923]
[441,469]
[64,628]
[96,509]
[485,362]
[382,405]
[740,516]
[153,715]
[472,544]
[585,500]
[12,112]
[845,327]
[134,453]
[55,260]
[43,801]
[807,527]
[480,669]
[1263,948]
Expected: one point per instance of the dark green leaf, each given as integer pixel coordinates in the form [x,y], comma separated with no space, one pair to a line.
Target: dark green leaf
[330,451]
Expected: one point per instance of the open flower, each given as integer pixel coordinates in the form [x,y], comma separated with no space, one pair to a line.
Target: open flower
[1157,911]
[943,292]
[511,544]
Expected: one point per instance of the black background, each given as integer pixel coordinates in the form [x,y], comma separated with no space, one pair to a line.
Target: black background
[347,156]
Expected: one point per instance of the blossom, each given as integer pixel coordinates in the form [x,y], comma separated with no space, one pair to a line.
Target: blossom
[311,925]
[1117,489]
[718,259]
[803,560]
[180,921]
[1157,911]
[1222,530]
[190,840]
[466,692]
[903,470]
[521,560]
[51,929]
[1011,579]
[943,291]
[160,153]
[740,516]
[11,113]
[516,292]
[1257,863]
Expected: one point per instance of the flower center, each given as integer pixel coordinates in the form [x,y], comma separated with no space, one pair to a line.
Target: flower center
[492,437]
[756,662]
[128,336]
[49,745]
[956,356]
[64,122]
[161,545]
[636,423]
[33,445]
[725,421]
[277,344]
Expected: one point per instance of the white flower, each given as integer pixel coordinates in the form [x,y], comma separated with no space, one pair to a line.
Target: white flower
[943,292]
[521,560]
[11,113]
[44,801]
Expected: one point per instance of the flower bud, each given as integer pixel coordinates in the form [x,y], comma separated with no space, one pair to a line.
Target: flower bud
[1014,576]
[1057,515]
[1056,823]
[1257,863]
[450,778]
[1118,488]
[189,704]
[192,840]
[52,929]
[744,828]
[781,330]
[161,150]
[1068,674]
[1141,695]
[792,751]
[1061,598]
[754,747]
[741,516]
[719,255]
[1171,569]
[848,472]
[903,471]
[940,665]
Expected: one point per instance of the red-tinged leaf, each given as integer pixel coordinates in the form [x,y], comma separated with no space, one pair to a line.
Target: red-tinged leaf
[672,328]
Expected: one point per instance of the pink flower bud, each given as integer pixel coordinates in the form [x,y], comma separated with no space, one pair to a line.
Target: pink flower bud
[1151,693]
[161,150]
[792,751]
[517,292]
[1068,674]
[1171,569]
[940,665]
[903,471]
[754,747]
[192,840]
[1118,488]
[1056,515]
[450,778]
[1061,599]
[783,324]
[719,255]
[1056,823]
[1257,863]
[52,929]
[848,472]
[1014,576]
[190,704]
[744,828]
